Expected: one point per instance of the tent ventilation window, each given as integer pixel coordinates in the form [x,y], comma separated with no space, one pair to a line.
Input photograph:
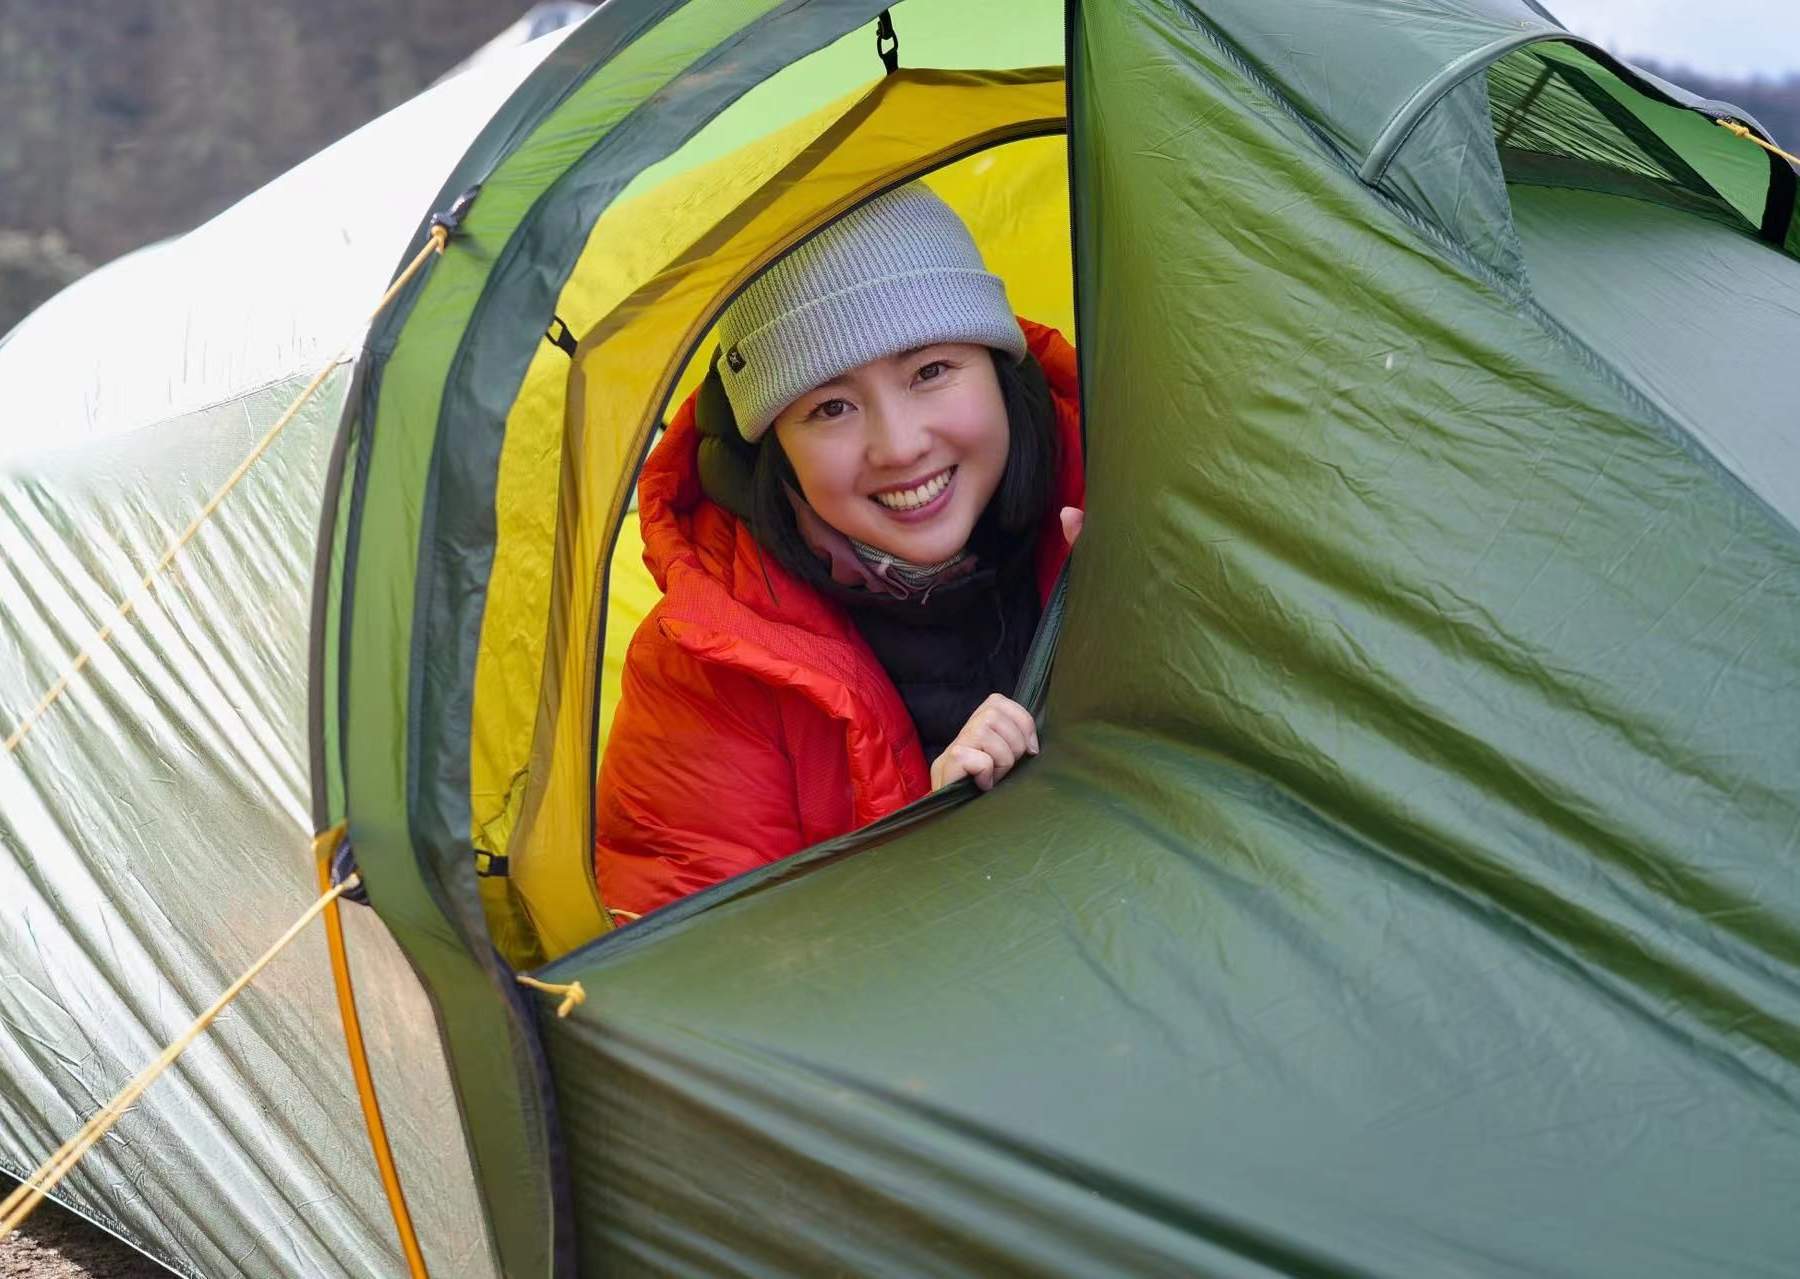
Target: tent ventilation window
[1563,119]
[1553,109]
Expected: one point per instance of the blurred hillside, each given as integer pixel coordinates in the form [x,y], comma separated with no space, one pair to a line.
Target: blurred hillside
[123,122]
[127,121]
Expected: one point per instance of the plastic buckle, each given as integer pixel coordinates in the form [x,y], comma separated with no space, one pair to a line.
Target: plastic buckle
[451,219]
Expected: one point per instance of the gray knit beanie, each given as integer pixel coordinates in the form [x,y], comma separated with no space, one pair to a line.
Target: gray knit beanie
[899,272]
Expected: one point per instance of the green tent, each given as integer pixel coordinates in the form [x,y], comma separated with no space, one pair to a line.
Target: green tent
[1407,885]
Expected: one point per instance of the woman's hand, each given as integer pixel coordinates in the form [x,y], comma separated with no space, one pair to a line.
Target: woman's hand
[998,735]
[1001,732]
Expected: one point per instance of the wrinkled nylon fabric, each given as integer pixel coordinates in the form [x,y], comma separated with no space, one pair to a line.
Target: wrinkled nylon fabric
[1403,886]
[1322,54]
[154,838]
[1699,317]
[155,832]
[1450,173]
[1466,798]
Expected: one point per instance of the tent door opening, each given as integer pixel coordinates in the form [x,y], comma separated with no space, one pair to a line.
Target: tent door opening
[991,142]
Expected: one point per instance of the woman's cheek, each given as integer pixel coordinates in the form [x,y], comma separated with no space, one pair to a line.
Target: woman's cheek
[828,470]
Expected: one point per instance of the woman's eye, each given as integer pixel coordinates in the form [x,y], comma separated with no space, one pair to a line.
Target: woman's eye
[930,372]
[832,408]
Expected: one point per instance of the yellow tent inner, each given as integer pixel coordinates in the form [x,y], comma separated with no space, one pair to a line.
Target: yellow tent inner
[657,269]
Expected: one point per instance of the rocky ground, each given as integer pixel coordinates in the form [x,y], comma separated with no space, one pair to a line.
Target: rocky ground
[53,1244]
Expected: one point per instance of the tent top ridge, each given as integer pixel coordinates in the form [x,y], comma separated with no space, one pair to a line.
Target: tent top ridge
[1394,135]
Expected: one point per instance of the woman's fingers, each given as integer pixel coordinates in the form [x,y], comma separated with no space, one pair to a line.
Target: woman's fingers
[959,761]
[998,735]
[993,743]
[978,764]
[1002,730]
[1012,719]
[1073,517]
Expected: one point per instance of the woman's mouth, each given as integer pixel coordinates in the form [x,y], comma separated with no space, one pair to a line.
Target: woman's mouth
[921,501]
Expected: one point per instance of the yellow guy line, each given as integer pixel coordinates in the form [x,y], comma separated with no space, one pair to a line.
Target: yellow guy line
[439,237]
[18,1205]
[324,846]
[1744,131]
[572,994]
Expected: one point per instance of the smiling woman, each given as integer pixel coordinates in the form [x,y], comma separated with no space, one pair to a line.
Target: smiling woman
[855,520]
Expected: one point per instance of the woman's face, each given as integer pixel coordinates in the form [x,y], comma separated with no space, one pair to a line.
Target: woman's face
[904,452]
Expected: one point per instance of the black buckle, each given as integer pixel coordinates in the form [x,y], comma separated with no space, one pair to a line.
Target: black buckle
[491,864]
[558,335]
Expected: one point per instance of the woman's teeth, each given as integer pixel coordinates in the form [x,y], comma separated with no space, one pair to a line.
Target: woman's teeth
[913,498]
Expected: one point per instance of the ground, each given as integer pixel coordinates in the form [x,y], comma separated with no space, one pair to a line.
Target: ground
[53,1244]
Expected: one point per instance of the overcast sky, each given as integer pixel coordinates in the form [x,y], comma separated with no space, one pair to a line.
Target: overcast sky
[1725,37]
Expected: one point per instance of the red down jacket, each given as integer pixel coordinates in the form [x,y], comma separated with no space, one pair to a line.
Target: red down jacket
[753,725]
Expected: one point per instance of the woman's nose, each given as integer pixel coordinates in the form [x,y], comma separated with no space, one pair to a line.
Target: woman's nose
[896,436]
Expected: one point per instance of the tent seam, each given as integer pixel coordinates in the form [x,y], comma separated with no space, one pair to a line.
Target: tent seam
[298,373]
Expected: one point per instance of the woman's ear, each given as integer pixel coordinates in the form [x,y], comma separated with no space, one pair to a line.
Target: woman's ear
[712,407]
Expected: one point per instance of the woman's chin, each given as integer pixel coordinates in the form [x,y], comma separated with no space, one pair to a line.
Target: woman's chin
[918,545]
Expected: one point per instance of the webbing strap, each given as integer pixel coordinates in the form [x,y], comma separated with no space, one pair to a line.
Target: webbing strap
[558,335]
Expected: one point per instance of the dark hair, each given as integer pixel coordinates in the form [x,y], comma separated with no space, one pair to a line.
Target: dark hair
[1020,500]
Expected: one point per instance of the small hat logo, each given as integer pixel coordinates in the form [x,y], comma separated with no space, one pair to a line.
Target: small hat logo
[734,358]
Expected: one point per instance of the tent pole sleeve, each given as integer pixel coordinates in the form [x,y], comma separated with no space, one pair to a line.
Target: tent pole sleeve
[323,849]
[1397,130]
